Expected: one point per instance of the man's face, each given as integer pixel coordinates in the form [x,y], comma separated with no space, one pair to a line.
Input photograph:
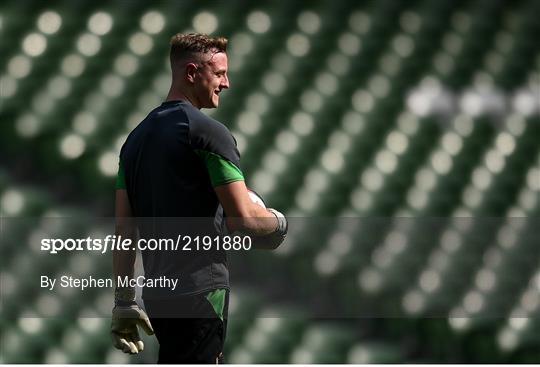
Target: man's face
[211,80]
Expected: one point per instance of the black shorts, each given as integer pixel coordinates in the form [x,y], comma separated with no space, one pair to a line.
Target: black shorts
[190,329]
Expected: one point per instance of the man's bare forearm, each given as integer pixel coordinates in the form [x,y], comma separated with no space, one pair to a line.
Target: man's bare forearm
[260,222]
[124,261]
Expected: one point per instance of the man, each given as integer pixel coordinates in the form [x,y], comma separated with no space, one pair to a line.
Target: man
[180,163]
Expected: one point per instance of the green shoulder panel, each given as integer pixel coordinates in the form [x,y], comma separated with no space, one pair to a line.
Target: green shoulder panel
[221,170]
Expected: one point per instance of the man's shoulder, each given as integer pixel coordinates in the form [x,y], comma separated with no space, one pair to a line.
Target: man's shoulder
[155,120]
[204,124]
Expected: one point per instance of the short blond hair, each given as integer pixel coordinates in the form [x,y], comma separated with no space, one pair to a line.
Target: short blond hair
[189,45]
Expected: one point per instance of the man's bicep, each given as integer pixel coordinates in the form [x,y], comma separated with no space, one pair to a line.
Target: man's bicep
[122,205]
[242,213]
[234,198]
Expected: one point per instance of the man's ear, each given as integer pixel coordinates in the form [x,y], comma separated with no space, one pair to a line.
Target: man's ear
[191,70]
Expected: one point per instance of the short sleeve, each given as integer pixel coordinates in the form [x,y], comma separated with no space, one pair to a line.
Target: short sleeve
[216,147]
[221,170]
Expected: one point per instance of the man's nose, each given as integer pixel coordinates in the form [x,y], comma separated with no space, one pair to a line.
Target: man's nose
[225,82]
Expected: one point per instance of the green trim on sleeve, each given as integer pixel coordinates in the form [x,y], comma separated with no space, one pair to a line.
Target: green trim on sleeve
[121,178]
[221,171]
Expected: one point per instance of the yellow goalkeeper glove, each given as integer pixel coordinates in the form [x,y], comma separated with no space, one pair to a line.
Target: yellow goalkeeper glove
[126,316]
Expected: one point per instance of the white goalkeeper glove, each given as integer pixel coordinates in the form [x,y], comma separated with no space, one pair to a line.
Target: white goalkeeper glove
[126,316]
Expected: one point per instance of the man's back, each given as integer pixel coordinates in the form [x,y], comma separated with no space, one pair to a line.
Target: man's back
[168,163]
[164,163]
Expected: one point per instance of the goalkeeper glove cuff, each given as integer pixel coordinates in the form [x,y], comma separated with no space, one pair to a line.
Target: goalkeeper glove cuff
[124,296]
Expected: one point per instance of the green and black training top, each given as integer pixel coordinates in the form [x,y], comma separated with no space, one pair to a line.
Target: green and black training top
[169,165]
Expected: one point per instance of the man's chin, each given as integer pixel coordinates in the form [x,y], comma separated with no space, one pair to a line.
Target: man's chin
[211,105]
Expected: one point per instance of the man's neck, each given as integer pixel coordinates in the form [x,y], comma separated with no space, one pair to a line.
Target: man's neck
[176,95]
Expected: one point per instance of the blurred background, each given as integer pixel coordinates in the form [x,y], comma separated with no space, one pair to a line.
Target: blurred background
[398,110]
